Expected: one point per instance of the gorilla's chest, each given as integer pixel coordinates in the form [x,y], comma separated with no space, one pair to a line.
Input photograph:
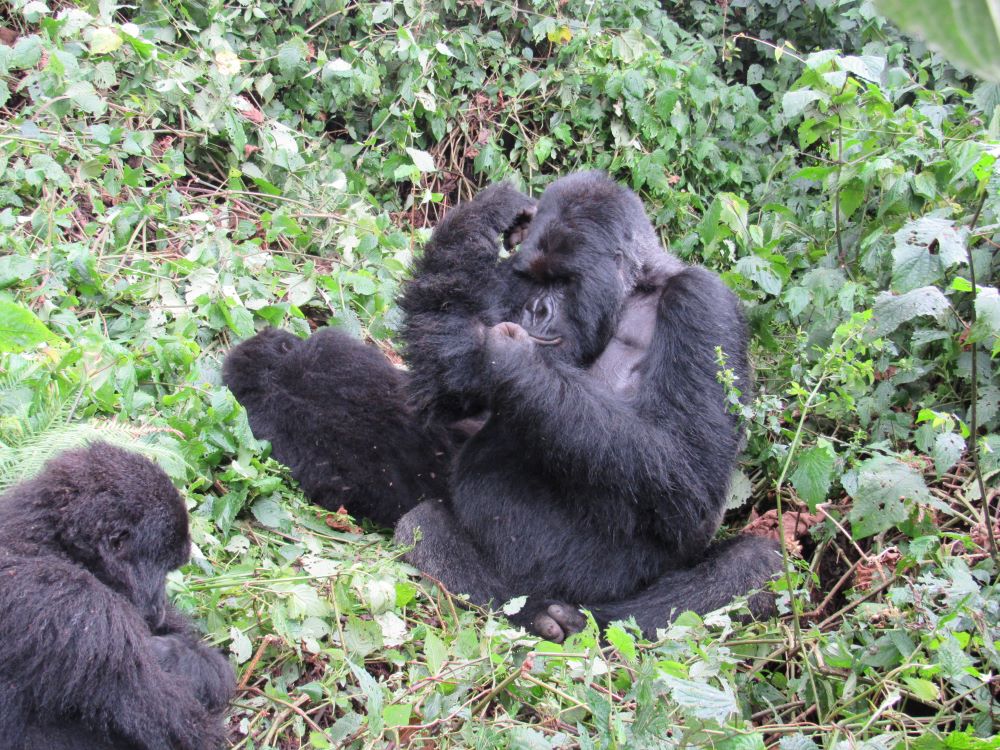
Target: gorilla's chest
[620,364]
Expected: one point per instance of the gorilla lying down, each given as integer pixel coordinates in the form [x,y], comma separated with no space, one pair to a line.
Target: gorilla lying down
[576,382]
[93,657]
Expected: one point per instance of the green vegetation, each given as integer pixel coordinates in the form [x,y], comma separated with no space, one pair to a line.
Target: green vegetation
[176,174]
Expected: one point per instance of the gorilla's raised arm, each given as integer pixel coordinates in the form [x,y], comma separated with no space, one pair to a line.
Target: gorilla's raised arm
[458,289]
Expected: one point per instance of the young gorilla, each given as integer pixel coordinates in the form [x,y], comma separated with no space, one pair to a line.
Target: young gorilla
[93,657]
[334,411]
[599,477]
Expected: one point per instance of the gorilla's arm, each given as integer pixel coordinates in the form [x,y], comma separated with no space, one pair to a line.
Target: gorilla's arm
[180,651]
[672,444]
[85,652]
[456,291]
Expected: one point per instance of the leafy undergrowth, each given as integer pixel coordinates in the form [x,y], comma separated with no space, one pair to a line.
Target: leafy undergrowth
[175,175]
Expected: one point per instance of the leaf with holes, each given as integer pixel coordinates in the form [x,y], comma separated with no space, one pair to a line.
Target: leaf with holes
[884,490]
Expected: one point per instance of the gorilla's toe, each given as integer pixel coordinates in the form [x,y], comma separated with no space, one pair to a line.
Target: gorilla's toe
[558,621]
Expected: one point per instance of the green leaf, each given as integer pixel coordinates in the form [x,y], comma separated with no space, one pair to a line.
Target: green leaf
[967,32]
[20,329]
[794,102]
[15,268]
[883,489]
[397,715]
[436,653]
[103,39]
[891,310]
[740,490]
[813,473]
[701,700]
[421,160]
[948,448]
[760,271]
[622,641]
[924,249]
[925,690]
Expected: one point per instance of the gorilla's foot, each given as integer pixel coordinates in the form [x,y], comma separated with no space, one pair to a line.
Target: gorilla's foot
[557,621]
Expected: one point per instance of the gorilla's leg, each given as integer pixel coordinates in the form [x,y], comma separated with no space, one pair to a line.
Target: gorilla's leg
[730,568]
[334,411]
[445,553]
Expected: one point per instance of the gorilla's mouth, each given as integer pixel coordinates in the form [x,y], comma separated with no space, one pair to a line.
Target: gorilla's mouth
[546,342]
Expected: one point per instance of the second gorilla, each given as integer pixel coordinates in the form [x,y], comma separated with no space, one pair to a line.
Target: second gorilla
[580,379]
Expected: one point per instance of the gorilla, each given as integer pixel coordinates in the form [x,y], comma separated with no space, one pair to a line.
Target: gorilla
[94,658]
[565,399]
[334,411]
[599,476]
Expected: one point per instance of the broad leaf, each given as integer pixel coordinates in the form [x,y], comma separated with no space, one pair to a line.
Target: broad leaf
[965,31]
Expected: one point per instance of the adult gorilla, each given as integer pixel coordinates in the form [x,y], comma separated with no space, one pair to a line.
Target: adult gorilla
[578,380]
[600,474]
[93,657]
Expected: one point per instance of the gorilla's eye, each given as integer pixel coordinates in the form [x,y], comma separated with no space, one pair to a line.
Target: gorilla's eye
[117,540]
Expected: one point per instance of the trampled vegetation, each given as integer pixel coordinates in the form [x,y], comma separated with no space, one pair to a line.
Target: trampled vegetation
[175,175]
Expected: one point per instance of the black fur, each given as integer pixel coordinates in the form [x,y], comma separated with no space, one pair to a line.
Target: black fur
[334,412]
[93,657]
[600,476]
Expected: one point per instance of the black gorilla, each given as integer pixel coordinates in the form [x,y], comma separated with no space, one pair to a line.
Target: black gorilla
[599,477]
[93,657]
[334,411]
[577,381]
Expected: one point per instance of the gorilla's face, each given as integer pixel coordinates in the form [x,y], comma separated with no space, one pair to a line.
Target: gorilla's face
[126,523]
[574,269]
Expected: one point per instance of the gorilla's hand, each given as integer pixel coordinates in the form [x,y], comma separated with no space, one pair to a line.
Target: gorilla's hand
[508,339]
[506,347]
[507,211]
[209,671]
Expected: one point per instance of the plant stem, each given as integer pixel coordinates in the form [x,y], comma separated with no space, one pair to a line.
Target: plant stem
[973,416]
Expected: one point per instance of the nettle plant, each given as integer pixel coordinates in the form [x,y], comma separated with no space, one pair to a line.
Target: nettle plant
[889,214]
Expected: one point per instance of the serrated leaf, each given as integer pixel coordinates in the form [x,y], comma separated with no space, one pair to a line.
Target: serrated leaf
[421,159]
[891,310]
[436,653]
[268,512]
[397,715]
[794,103]
[883,489]
[988,310]
[514,606]
[104,39]
[239,646]
[925,690]
[948,448]
[291,55]
[701,700]
[965,31]
[813,473]
[20,329]
[924,249]
[740,490]
[759,271]
[621,640]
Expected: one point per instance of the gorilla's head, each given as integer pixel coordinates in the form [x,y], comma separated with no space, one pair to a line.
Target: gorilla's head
[580,258]
[117,514]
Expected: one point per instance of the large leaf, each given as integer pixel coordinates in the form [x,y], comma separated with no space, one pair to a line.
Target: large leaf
[883,489]
[21,329]
[924,249]
[965,31]
[892,310]
[812,475]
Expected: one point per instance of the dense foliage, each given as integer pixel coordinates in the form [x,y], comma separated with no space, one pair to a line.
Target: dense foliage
[177,174]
